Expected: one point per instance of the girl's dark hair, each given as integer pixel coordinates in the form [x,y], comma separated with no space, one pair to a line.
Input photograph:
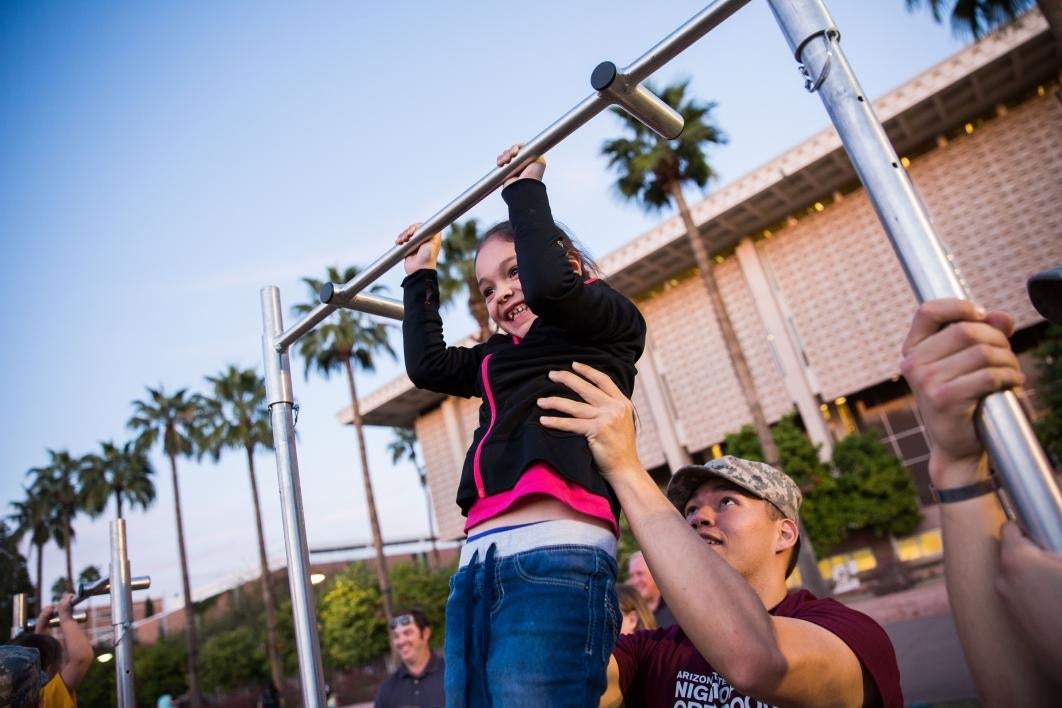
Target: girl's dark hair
[50,649]
[504,230]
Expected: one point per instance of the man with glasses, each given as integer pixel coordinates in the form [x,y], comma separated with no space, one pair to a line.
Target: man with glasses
[419,680]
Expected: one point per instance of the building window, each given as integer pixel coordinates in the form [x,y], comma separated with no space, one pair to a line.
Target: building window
[900,426]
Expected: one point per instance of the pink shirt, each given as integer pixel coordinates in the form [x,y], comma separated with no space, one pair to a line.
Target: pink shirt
[541,479]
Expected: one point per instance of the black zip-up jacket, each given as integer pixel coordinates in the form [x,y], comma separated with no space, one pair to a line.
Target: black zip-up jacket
[577,320]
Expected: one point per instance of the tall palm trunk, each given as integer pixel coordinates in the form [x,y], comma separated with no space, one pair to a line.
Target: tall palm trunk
[189,610]
[69,551]
[478,308]
[118,501]
[276,668]
[806,561]
[37,596]
[431,513]
[377,540]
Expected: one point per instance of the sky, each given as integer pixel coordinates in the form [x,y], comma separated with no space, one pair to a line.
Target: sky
[162,162]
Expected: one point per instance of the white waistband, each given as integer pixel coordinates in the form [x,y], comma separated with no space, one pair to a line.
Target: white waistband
[562,532]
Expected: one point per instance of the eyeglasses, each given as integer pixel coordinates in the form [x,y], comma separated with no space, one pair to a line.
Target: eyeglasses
[401,621]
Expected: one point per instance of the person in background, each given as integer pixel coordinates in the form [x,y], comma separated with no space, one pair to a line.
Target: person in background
[635,612]
[639,576]
[419,680]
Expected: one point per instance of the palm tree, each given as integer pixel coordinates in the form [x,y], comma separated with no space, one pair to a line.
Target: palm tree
[236,417]
[404,446]
[124,471]
[38,517]
[350,336]
[457,272]
[174,419]
[58,483]
[979,17]
[653,171]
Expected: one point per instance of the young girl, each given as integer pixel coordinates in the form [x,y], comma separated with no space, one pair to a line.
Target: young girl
[532,613]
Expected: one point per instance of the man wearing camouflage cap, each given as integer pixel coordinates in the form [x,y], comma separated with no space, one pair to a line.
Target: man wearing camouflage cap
[721,564]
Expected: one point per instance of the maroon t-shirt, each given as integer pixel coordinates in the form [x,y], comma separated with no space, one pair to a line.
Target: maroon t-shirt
[661,668]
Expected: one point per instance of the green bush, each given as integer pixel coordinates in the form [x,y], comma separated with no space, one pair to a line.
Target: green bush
[874,488]
[233,659]
[160,669]
[98,687]
[353,629]
[415,585]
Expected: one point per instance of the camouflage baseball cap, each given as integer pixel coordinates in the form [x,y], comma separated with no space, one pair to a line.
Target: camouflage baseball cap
[20,676]
[761,479]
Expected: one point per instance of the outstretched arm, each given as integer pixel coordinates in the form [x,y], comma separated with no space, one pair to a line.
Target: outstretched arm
[77,650]
[431,364]
[956,354]
[777,659]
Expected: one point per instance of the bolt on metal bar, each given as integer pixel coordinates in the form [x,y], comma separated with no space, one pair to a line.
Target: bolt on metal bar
[281,401]
[53,621]
[1002,424]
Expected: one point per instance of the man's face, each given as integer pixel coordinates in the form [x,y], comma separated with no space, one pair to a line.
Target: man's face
[642,581]
[735,523]
[411,643]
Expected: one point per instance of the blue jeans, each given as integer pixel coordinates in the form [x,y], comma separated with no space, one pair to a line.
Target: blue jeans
[534,628]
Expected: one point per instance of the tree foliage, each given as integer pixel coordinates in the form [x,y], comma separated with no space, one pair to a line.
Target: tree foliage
[99,688]
[122,470]
[457,273]
[875,489]
[649,166]
[160,669]
[233,659]
[974,17]
[416,585]
[353,631]
[1049,390]
[14,578]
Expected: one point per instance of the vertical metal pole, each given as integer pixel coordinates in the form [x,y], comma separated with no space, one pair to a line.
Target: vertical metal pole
[1002,424]
[122,615]
[18,613]
[281,401]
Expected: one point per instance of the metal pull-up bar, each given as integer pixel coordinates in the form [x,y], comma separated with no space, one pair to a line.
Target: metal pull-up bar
[815,42]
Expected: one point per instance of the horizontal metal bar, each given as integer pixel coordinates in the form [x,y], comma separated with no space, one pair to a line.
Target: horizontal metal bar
[533,149]
[103,586]
[79,617]
[372,304]
[681,39]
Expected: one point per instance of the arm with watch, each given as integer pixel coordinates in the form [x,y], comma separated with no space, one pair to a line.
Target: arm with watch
[954,355]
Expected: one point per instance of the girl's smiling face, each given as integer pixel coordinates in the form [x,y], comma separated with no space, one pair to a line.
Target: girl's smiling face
[499,283]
